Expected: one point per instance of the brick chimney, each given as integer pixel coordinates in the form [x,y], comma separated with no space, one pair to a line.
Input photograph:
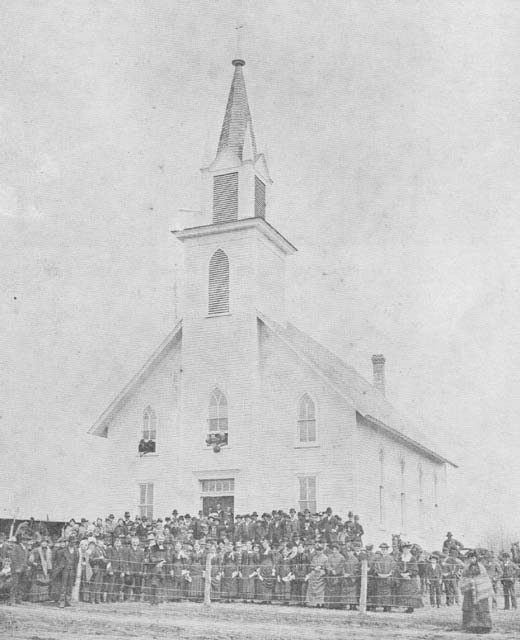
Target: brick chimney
[378,362]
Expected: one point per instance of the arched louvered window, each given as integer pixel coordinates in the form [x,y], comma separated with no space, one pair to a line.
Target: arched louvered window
[218,412]
[306,419]
[149,424]
[218,292]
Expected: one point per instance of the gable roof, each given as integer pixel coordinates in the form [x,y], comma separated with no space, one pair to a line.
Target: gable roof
[100,426]
[361,395]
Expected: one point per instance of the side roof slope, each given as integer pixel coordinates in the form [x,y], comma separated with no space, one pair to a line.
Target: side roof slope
[364,397]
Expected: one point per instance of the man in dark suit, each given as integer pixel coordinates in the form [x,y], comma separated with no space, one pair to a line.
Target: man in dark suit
[65,569]
[18,555]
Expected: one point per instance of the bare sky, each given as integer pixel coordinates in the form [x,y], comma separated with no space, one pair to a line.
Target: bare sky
[392,133]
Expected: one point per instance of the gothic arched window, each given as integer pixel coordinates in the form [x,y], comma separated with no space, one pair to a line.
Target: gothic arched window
[306,419]
[218,412]
[149,432]
[218,287]
[149,424]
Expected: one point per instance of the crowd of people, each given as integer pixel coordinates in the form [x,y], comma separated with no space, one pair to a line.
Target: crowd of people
[291,558]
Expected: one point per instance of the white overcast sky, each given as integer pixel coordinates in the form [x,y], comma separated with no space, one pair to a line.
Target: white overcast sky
[392,133]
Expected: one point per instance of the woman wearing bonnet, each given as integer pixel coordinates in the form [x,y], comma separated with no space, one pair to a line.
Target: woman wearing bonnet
[477,589]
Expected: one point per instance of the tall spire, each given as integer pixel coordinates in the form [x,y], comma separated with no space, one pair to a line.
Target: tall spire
[237,125]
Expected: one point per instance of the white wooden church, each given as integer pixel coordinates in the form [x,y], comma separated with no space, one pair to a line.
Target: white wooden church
[239,406]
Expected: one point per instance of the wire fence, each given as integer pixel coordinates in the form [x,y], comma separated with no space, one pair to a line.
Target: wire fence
[356,585]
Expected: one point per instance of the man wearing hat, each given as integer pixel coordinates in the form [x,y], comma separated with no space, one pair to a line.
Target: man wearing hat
[509,575]
[65,569]
[450,543]
[434,577]
[115,570]
[18,555]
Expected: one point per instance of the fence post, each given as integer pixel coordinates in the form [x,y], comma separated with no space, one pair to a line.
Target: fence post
[207,581]
[364,585]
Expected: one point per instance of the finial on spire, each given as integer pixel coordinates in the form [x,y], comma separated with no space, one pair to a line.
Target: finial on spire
[239,60]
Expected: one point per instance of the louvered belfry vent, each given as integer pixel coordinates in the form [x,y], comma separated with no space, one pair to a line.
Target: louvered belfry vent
[218,283]
[259,198]
[225,197]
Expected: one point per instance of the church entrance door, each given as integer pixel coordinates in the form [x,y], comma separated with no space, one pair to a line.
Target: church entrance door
[209,503]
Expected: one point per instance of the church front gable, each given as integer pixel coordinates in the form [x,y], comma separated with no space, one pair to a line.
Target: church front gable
[308,427]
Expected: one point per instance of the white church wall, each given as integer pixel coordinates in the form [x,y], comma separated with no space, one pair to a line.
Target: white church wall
[126,469]
[285,378]
[423,521]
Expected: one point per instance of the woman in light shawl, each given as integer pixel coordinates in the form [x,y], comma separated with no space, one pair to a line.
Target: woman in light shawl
[477,589]
[40,563]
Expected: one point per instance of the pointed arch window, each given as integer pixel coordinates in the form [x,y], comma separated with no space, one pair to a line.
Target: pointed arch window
[149,432]
[306,419]
[218,289]
[218,412]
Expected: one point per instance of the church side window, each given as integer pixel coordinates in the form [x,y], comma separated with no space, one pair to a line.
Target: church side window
[149,433]
[308,493]
[306,419]
[381,487]
[146,500]
[403,496]
[218,293]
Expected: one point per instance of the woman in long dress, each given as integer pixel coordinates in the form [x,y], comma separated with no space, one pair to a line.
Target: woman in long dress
[248,562]
[40,563]
[265,575]
[477,589]
[351,568]
[408,588]
[319,567]
[196,568]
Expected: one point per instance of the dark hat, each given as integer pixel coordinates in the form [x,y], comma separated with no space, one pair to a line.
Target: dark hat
[292,510]
[449,534]
[254,514]
[383,545]
[350,514]
[112,517]
[406,545]
[328,510]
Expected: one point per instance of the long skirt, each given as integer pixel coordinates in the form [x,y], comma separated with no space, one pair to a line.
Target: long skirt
[408,593]
[334,592]
[229,586]
[382,595]
[282,590]
[39,590]
[475,615]
[264,589]
[351,590]
[315,589]
[176,587]
[247,584]
[196,587]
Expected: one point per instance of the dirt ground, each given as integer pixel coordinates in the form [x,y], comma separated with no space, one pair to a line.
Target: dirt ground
[191,621]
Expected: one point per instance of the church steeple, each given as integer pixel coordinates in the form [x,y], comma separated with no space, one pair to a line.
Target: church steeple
[234,259]
[235,184]
[237,128]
